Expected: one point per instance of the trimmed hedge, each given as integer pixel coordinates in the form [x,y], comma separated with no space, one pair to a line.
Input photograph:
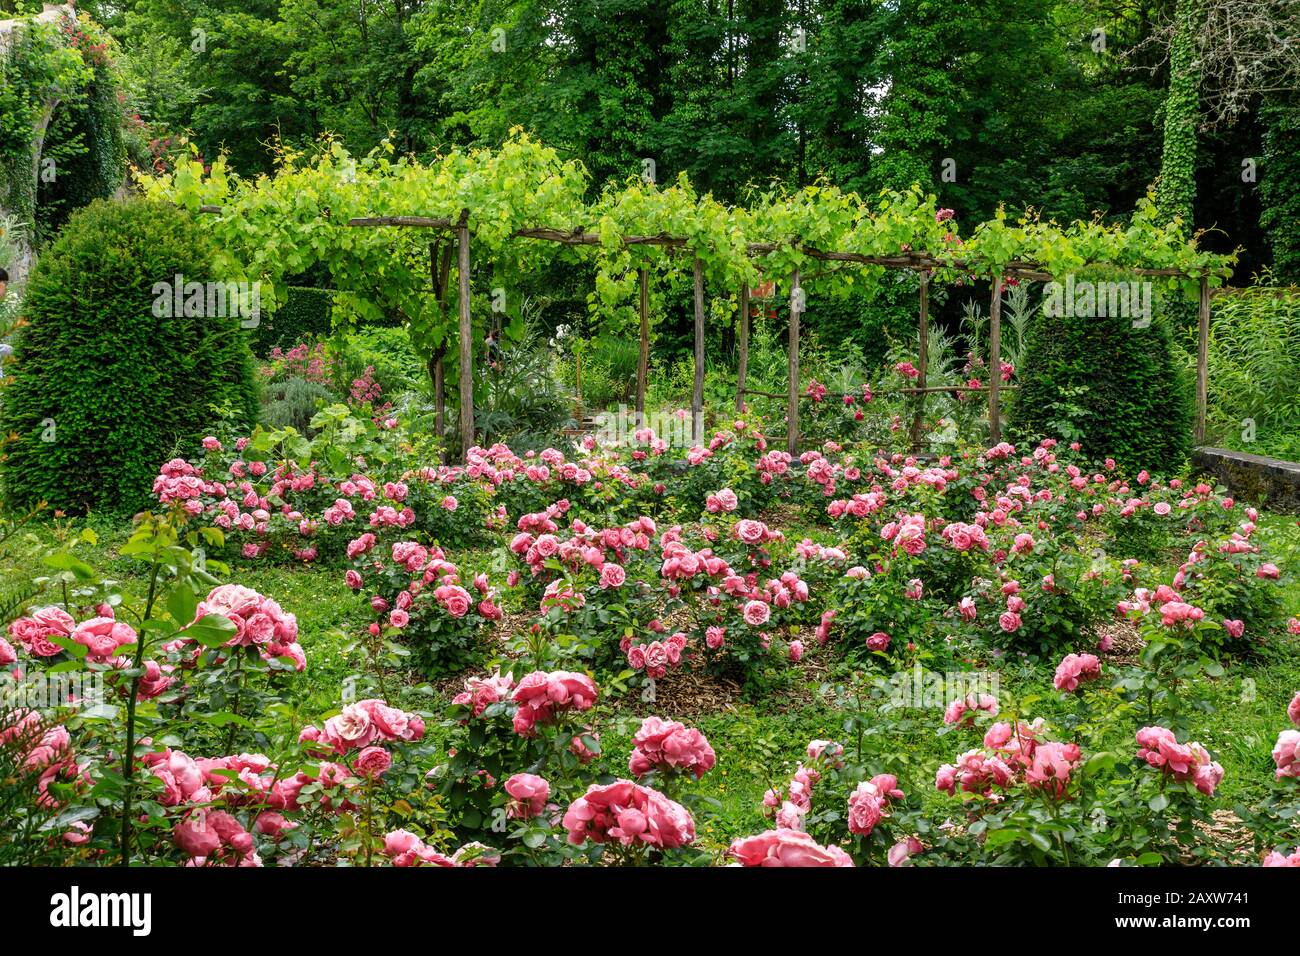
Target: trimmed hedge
[1118,385]
[104,391]
[306,313]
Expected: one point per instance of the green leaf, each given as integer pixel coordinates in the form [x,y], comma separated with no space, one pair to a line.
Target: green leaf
[1098,763]
[211,630]
[224,718]
[62,561]
[182,603]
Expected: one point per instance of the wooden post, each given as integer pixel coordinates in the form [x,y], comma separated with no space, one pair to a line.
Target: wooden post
[922,359]
[995,362]
[643,357]
[439,274]
[466,340]
[1202,360]
[697,399]
[792,400]
[439,393]
[743,370]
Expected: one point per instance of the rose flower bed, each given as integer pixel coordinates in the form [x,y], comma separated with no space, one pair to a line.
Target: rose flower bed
[558,601]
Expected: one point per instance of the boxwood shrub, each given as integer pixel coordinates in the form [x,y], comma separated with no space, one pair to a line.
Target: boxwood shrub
[104,390]
[1112,384]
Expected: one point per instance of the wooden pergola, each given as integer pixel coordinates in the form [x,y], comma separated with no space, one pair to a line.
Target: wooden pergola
[921,263]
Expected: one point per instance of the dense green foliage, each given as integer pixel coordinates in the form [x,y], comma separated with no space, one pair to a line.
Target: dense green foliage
[866,93]
[1110,384]
[103,387]
[1280,186]
[305,313]
[1254,372]
[61,142]
[1178,159]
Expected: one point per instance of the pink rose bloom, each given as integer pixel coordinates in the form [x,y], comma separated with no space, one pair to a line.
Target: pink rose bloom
[1051,767]
[78,835]
[1293,710]
[455,599]
[867,807]
[628,813]
[194,838]
[1234,628]
[1009,621]
[904,850]
[528,793]
[796,651]
[669,745]
[878,641]
[757,613]
[102,636]
[1276,858]
[34,632]
[829,752]
[372,762]
[541,696]
[350,728]
[257,619]
[1160,749]
[612,576]
[7,654]
[1284,754]
[786,847]
[1268,572]
[1076,669]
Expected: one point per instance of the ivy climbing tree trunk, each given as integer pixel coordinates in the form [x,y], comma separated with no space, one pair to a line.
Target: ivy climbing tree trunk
[1177,190]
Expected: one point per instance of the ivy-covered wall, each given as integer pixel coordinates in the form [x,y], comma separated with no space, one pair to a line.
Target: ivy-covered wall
[60,126]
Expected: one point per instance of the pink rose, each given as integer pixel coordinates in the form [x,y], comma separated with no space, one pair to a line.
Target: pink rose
[612,576]
[102,636]
[757,613]
[786,847]
[372,762]
[528,793]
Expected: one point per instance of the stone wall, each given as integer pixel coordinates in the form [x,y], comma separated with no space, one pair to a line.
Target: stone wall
[1253,478]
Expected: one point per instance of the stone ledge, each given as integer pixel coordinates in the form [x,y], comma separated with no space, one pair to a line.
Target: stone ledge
[1254,478]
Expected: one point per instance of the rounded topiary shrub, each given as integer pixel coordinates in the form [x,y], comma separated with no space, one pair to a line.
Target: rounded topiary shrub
[1110,382]
[110,378]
